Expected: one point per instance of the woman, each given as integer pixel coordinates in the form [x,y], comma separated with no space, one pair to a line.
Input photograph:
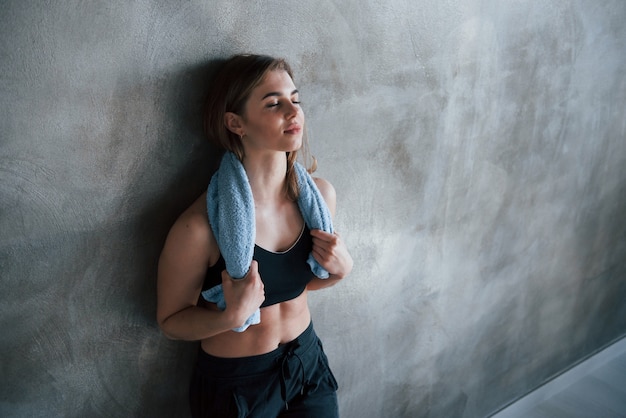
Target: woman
[276,367]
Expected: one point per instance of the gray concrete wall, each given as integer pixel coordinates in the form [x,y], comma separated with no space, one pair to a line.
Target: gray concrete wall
[478,149]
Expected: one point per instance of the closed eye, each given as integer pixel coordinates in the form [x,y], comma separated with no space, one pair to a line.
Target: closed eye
[275,104]
[277,95]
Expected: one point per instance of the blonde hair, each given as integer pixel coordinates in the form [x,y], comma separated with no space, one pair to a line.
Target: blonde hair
[231,88]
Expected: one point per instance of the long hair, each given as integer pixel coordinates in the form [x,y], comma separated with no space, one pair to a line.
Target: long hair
[231,88]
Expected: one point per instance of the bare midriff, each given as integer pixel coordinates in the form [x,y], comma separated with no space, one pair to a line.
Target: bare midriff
[280,324]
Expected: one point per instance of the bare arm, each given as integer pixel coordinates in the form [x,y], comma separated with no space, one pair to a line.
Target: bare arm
[188,250]
[329,249]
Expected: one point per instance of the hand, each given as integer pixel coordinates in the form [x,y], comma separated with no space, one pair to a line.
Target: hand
[331,252]
[243,296]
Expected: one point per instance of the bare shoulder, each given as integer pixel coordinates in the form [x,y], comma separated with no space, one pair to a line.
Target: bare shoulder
[191,233]
[328,192]
[194,220]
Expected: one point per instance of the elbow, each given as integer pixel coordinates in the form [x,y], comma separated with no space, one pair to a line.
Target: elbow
[165,329]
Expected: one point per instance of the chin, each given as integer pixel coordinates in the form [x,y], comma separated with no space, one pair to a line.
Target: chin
[295,146]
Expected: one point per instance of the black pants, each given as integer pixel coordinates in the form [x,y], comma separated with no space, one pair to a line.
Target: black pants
[292,381]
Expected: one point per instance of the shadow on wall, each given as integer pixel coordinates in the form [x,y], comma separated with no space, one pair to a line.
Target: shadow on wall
[177,164]
[92,228]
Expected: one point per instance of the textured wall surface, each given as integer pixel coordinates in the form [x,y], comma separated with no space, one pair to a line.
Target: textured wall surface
[479,153]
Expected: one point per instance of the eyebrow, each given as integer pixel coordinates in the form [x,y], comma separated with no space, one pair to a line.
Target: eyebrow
[275,93]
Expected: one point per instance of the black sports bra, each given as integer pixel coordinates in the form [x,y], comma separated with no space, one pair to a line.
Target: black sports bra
[284,274]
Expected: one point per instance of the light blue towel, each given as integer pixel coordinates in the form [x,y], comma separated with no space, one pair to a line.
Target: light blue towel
[231,214]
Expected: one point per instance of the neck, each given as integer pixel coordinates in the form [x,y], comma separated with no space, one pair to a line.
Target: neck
[266,174]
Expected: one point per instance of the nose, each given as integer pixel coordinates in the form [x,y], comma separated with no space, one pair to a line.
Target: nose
[292,110]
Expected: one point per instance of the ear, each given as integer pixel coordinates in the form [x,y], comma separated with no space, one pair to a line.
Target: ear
[234,123]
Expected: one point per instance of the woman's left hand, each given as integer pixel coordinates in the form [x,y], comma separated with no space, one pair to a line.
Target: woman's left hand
[331,252]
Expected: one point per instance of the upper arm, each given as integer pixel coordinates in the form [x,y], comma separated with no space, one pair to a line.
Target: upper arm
[183,262]
[328,193]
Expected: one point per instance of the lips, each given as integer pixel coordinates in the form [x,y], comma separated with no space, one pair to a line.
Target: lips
[293,129]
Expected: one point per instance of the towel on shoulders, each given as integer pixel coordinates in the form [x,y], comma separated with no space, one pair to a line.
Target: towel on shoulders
[230,206]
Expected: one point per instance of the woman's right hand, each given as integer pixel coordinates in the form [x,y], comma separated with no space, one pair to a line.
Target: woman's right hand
[243,296]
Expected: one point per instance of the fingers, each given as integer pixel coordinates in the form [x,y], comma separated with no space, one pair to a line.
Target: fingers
[324,241]
[245,295]
[253,272]
[330,251]
[323,235]
[324,249]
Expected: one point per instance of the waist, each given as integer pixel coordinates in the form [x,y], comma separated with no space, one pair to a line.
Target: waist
[280,323]
[244,366]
